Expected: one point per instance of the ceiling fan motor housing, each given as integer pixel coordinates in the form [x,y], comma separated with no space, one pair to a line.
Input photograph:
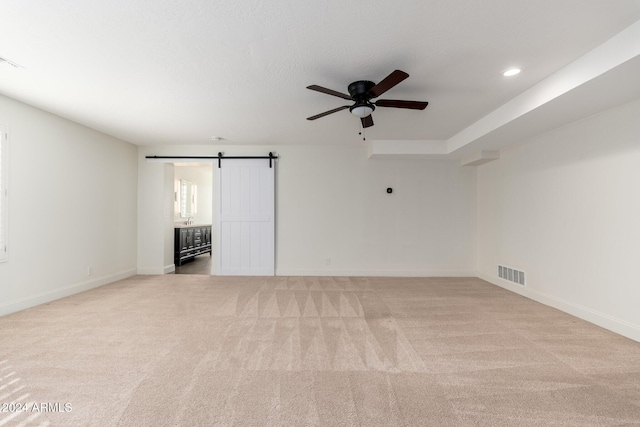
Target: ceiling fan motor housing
[359,92]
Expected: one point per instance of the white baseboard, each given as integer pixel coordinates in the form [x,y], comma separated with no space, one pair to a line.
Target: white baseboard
[157,271]
[151,271]
[44,297]
[611,323]
[376,273]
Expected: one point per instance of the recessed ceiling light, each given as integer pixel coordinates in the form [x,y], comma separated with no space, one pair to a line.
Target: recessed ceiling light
[511,72]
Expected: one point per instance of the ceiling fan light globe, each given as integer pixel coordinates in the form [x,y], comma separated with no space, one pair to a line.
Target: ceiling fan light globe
[361,110]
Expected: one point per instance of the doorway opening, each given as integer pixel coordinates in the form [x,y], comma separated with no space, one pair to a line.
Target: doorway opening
[193,207]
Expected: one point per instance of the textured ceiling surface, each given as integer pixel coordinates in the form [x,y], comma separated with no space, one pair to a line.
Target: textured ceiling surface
[179,72]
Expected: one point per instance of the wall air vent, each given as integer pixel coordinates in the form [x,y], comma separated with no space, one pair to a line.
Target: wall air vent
[511,274]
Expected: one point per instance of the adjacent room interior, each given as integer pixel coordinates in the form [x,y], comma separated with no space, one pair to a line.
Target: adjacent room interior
[442,228]
[193,216]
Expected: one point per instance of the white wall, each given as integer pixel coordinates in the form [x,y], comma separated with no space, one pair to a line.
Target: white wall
[72,205]
[334,217]
[333,208]
[152,224]
[565,208]
[202,177]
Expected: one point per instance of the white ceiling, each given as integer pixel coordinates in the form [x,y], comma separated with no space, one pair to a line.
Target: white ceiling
[179,72]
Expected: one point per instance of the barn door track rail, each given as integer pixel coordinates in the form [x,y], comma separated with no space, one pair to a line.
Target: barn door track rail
[271,157]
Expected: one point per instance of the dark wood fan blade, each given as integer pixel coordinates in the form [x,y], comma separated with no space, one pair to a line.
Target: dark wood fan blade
[396,103]
[329,91]
[387,83]
[367,121]
[326,113]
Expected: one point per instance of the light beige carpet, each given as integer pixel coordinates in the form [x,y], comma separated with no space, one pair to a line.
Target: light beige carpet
[198,350]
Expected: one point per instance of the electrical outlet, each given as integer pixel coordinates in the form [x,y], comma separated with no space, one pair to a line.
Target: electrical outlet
[327,262]
[88,271]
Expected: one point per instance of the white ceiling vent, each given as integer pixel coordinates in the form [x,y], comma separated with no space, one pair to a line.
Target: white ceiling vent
[5,61]
[511,274]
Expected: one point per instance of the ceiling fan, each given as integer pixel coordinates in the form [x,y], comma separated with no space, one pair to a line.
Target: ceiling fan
[362,91]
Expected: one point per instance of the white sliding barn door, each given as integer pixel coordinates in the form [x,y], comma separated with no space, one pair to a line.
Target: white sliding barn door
[245,217]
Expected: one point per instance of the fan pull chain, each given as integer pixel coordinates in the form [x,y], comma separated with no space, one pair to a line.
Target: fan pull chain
[363,133]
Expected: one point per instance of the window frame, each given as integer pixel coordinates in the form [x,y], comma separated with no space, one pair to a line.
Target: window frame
[4,194]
